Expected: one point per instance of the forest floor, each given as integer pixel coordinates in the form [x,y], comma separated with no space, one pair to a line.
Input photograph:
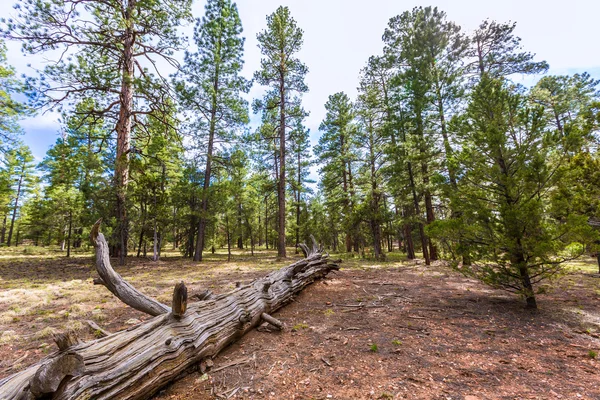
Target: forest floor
[374,330]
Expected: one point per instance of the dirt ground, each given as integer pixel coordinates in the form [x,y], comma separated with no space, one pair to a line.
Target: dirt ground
[390,330]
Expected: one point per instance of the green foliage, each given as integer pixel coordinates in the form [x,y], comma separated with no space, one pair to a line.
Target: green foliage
[209,84]
[592,354]
[510,164]
[439,153]
[11,110]
[373,348]
[498,52]
[336,153]
[283,74]
[299,326]
[94,33]
[18,172]
[279,44]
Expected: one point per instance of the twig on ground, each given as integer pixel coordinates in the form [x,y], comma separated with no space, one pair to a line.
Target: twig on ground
[231,364]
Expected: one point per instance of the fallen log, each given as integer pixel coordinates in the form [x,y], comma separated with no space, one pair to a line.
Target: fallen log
[137,362]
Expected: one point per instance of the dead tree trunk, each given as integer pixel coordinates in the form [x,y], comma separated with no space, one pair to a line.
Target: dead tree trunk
[135,363]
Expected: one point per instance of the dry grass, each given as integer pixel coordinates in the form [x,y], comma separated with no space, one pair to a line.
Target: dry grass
[42,292]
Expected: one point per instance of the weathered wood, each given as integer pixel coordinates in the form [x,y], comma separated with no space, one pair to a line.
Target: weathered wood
[273,321]
[179,300]
[116,284]
[51,374]
[98,281]
[65,340]
[204,295]
[96,329]
[135,363]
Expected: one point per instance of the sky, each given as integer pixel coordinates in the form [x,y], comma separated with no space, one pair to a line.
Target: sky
[340,35]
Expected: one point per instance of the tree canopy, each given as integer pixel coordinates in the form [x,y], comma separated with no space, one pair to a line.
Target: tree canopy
[439,156]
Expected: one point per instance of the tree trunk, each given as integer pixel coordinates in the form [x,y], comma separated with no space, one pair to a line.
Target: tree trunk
[251,232]
[240,240]
[141,241]
[259,231]
[143,225]
[410,246]
[200,242]
[123,129]
[15,208]
[376,230]
[135,363]
[418,212]
[528,293]
[266,223]
[455,214]
[430,218]
[63,242]
[298,192]
[281,253]
[155,241]
[69,235]
[3,234]
[205,186]
[228,237]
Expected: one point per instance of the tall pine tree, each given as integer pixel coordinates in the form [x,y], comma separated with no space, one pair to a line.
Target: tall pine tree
[284,74]
[211,89]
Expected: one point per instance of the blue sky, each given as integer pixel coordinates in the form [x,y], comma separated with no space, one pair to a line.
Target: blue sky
[341,35]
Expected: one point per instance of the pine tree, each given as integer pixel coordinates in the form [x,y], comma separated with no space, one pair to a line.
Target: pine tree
[20,166]
[405,41]
[211,89]
[510,164]
[156,167]
[300,164]
[284,74]
[11,110]
[336,153]
[497,52]
[566,99]
[107,41]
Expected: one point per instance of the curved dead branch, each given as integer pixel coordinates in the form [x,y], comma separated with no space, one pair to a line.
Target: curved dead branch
[116,284]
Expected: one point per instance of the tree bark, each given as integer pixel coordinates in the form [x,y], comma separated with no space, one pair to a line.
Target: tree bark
[240,240]
[298,193]
[69,235]
[135,363]
[281,253]
[418,213]
[228,237]
[16,207]
[123,129]
[3,234]
[155,245]
[267,222]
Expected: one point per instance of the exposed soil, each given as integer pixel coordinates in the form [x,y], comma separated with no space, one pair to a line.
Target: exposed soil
[415,333]
[387,331]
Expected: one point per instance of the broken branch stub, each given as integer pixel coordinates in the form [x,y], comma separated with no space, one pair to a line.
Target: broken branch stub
[135,363]
[179,300]
[65,340]
[272,321]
